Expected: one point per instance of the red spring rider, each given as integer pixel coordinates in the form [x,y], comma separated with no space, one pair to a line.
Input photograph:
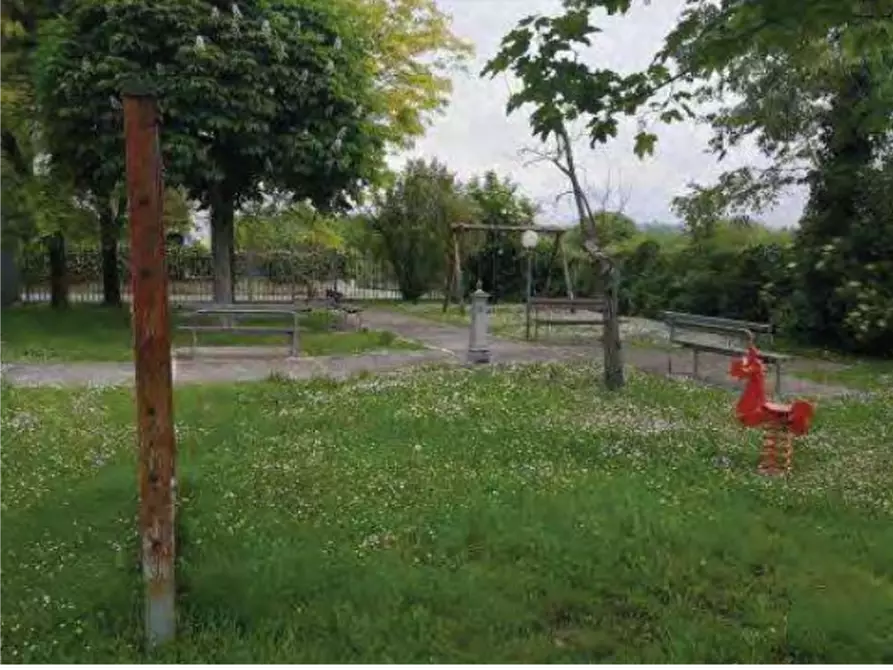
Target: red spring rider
[778,420]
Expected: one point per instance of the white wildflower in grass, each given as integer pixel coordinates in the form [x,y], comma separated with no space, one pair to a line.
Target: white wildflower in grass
[199,43]
[420,497]
[237,13]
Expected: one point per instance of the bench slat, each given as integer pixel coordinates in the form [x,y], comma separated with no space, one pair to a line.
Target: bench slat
[569,322]
[246,312]
[741,333]
[567,302]
[731,351]
[238,329]
[684,320]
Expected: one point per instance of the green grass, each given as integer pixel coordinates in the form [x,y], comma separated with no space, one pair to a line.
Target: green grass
[91,333]
[454,516]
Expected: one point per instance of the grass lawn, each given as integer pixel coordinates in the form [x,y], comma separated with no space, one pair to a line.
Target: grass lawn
[92,333]
[454,516]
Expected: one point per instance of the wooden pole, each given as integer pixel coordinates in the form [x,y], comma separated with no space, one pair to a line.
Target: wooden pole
[457,256]
[450,276]
[152,356]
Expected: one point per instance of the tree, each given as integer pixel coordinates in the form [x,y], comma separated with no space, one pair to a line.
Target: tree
[270,228]
[20,22]
[177,212]
[278,94]
[412,53]
[705,43]
[550,124]
[36,203]
[413,219]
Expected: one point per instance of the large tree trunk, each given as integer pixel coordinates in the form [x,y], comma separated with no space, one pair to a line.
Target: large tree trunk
[108,236]
[223,237]
[58,271]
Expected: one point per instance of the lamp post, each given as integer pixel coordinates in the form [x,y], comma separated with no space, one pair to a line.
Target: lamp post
[529,241]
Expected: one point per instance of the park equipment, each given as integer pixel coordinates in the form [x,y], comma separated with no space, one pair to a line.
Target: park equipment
[685,329]
[197,321]
[781,422]
[551,312]
[454,291]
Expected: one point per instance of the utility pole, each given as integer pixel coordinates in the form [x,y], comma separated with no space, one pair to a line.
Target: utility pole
[152,358]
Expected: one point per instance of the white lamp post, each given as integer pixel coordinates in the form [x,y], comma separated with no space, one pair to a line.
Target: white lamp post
[529,240]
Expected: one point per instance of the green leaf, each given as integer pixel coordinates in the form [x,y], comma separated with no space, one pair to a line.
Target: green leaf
[644,145]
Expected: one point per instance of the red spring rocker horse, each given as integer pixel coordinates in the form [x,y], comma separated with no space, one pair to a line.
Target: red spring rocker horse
[781,422]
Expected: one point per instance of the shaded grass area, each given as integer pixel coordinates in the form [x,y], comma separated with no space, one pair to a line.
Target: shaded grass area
[92,333]
[456,516]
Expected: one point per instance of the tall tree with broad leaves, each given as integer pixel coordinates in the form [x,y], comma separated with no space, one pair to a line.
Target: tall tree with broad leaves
[273,94]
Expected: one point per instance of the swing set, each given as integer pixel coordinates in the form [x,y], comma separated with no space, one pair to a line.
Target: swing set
[539,310]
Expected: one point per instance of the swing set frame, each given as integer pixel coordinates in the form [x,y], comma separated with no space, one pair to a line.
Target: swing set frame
[453,293]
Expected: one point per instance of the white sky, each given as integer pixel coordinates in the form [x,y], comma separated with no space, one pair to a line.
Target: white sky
[474,135]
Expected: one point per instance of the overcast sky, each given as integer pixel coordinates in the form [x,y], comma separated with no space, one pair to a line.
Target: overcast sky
[474,134]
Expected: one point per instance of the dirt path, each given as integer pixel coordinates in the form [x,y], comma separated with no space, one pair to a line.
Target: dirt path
[446,345]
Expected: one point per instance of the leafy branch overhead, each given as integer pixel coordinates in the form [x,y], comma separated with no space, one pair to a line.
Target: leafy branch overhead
[543,53]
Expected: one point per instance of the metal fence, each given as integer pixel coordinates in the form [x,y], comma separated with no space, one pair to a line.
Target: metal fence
[259,277]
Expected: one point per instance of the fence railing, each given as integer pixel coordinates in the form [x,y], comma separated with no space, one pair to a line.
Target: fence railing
[259,277]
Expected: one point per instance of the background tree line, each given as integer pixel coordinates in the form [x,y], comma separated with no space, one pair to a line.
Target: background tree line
[298,98]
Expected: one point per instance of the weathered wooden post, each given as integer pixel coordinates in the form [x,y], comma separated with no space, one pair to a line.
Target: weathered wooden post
[152,356]
[478,344]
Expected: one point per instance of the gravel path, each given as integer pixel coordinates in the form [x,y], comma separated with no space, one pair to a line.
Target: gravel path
[446,345]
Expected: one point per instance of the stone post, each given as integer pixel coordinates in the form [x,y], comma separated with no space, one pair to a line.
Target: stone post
[478,344]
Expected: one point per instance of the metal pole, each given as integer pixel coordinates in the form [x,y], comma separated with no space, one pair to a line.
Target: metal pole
[529,291]
[152,356]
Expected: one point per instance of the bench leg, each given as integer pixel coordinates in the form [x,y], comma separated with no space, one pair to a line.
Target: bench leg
[696,363]
[670,362]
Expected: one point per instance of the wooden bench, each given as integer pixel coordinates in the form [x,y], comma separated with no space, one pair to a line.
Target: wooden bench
[231,313]
[549,306]
[737,333]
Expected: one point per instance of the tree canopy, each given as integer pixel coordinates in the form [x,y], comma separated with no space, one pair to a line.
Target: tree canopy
[413,52]
[707,43]
[253,94]
[276,93]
